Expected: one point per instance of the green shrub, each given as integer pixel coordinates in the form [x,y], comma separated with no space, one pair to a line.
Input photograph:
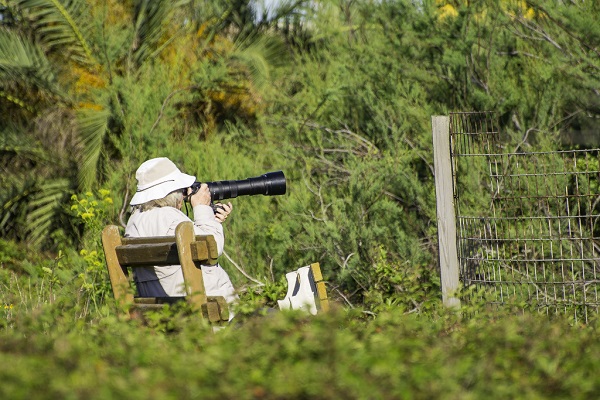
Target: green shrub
[290,355]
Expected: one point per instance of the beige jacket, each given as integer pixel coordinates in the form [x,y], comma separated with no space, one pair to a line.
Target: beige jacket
[162,222]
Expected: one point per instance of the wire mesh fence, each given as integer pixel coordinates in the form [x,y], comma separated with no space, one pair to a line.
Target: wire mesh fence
[527,221]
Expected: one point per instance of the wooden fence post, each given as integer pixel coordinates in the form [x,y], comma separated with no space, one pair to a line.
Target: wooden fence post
[446,218]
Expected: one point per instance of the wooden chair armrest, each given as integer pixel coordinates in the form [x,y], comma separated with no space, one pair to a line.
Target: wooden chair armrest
[216,309]
[204,250]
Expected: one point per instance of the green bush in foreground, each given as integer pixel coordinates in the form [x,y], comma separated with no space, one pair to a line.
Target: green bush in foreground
[60,338]
[293,356]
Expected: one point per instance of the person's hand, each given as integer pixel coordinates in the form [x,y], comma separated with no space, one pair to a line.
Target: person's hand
[222,211]
[202,196]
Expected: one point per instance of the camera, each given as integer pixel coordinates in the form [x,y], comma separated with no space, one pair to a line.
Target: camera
[269,184]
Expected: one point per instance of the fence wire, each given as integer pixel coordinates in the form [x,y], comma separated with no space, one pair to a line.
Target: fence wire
[527,221]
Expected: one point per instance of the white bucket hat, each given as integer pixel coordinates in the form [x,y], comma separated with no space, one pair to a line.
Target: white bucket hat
[157,178]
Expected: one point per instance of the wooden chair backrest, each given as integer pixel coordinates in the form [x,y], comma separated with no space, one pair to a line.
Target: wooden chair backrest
[185,248]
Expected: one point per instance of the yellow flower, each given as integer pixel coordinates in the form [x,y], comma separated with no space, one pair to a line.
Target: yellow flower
[516,8]
[447,11]
[529,14]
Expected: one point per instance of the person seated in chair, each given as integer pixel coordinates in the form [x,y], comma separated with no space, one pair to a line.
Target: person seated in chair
[156,211]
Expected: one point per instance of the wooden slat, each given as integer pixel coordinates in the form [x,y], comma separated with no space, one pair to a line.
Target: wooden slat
[213,250]
[146,307]
[111,239]
[147,240]
[158,300]
[223,306]
[316,270]
[148,254]
[320,287]
[196,294]
[204,250]
[159,253]
[199,250]
[321,290]
[211,311]
[322,295]
[155,239]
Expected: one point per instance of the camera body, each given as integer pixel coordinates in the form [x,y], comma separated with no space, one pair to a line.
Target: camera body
[269,184]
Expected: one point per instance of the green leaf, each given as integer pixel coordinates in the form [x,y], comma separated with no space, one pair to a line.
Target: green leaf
[92,129]
[24,64]
[43,205]
[59,26]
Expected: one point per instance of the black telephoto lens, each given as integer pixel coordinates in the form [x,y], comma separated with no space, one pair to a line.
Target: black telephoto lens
[269,184]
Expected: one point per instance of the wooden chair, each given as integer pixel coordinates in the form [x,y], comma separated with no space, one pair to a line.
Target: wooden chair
[185,248]
[306,290]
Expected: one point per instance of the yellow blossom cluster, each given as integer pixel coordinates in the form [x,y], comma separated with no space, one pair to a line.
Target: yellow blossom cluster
[87,207]
[448,9]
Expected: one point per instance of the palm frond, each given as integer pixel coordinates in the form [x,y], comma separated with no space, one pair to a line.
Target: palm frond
[16,149]
[45,204]
[151,27]
[22,103]
[258,54]
[92,126]
[56,26]
[19,178]
[13,204]
[24,64]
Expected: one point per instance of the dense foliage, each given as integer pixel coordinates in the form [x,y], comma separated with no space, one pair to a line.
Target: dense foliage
[291,356]
[337,94]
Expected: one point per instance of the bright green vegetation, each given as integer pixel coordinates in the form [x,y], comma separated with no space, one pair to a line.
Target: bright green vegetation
[55,344]
[52,352]
[337,96]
